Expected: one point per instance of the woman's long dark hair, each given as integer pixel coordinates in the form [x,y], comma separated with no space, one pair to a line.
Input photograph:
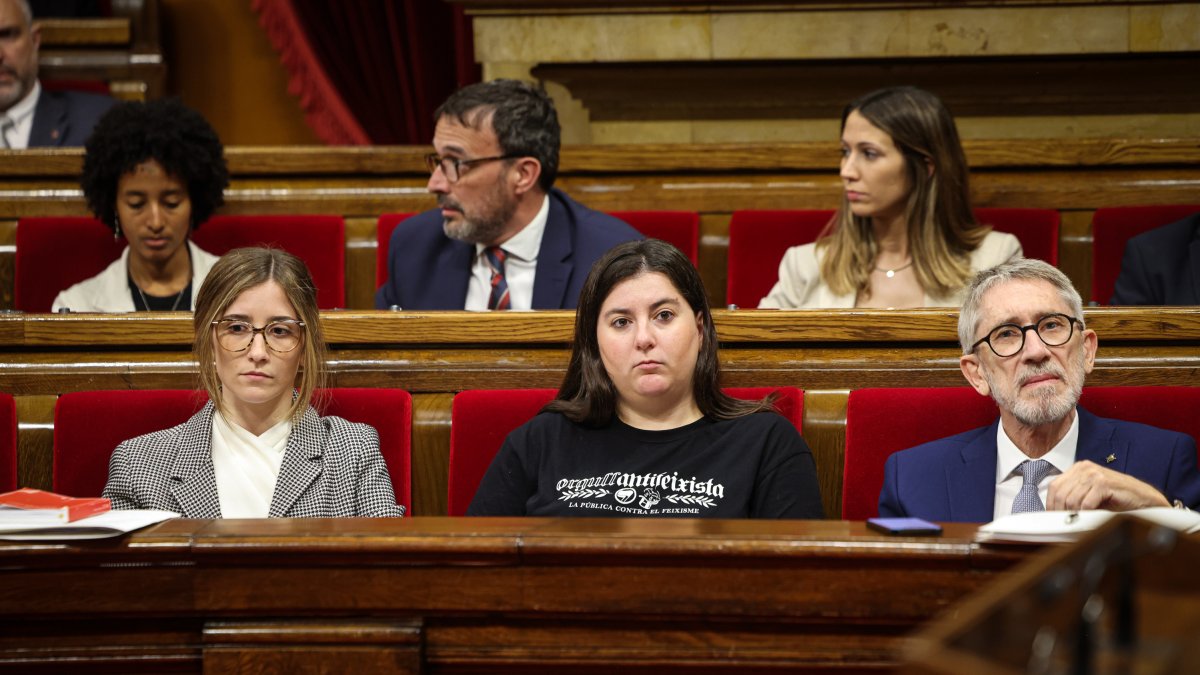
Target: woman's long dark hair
[587,395]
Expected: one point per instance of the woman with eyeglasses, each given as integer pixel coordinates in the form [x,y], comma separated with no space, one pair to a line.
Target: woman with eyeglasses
[904,235]
[258,448]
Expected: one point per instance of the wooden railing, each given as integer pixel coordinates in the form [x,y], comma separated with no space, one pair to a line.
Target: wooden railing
[434,355]
[423,595]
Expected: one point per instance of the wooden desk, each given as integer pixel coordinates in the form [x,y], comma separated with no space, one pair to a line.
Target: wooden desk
[482,595]
[436,354]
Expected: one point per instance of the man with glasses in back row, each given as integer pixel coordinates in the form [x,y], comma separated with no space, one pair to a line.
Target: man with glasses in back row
[502,236]
[1025,345]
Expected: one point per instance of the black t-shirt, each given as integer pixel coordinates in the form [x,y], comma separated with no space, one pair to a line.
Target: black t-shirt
[755,466]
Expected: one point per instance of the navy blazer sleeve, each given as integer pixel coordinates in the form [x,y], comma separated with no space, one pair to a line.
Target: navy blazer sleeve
[889,496]
[1162,266]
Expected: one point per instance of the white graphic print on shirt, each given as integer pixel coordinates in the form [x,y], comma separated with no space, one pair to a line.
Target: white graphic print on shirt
[641,494]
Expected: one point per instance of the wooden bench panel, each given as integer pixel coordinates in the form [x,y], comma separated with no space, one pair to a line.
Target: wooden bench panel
[434,355]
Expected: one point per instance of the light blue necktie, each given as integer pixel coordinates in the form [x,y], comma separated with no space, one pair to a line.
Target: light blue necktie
[1033,471]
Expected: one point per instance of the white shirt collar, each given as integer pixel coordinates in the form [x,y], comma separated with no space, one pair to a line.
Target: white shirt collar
[1061,456]
[526,243]
[22,116]
[24,108]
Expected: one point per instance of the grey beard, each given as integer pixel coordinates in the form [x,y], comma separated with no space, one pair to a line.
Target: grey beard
[1048,407]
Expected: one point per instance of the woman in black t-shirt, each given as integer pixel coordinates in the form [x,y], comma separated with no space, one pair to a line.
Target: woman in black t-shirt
[640,426]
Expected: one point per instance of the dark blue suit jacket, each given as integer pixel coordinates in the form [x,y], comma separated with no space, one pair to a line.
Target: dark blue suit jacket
[1162,266]
[66,117]
[428,270]
[954,479]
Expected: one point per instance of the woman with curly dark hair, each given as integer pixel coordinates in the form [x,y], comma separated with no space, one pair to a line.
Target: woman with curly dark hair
[152,172]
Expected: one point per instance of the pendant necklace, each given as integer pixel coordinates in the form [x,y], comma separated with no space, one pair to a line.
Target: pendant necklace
[892,272]
[175,306]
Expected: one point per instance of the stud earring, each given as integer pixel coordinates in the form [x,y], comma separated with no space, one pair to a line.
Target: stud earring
[116,227]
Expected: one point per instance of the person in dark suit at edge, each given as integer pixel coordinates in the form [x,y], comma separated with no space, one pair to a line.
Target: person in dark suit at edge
[502,236]
[30,116]
[1162,266]
[1025,345]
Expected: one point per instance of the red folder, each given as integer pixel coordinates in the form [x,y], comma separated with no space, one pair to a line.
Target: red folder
[38,504]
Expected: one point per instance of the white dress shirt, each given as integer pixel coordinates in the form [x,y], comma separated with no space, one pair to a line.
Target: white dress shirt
[1009,457]
[247,466]
[22,116]
[520,265]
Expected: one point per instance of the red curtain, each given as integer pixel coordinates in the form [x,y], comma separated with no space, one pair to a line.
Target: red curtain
[370,71]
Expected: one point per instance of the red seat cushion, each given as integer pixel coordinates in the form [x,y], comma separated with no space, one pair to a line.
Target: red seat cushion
[1173,408]
[383,238]
[89,425]
[1036,229]
[55,253]
[482,419]
[1112,227]
[882,421]
[680,229]
[757,242]
[8,443]
[320,241]
[390,412]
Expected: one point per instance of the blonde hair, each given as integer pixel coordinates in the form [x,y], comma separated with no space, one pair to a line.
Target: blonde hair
[942,231]
[238,271]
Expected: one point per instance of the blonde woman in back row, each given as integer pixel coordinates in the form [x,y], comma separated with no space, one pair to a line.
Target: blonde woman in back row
[904,235]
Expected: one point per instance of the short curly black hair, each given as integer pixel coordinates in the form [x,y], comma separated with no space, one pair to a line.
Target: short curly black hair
[167,131]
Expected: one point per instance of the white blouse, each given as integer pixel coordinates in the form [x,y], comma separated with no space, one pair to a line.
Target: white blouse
[247,466]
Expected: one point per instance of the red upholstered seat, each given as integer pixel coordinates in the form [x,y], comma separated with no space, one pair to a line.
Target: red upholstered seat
[320,241]
[757,242]
[1112,227]
[390,412]
[1173,408]
[383,239]
[8,443]
[1037,229]
[54,253]
[481,419]
[89,425]
[680,229]
[882,421]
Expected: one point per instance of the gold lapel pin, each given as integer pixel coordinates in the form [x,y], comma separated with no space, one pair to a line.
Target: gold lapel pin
[1111,458]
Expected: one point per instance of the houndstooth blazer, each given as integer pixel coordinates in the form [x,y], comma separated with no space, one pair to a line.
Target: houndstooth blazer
[331,468]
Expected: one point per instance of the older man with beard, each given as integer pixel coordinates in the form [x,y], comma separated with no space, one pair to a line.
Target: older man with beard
[503,237]
[29,115]
[1025,344]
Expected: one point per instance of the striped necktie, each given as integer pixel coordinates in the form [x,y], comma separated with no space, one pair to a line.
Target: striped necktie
[1028,499]
[499,297]
[6,125]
